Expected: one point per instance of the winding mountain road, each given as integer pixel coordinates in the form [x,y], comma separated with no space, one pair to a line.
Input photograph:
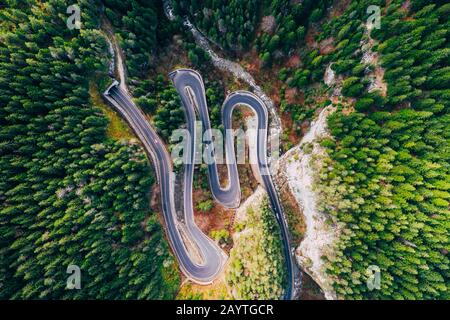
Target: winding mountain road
[213,257]
[190,87]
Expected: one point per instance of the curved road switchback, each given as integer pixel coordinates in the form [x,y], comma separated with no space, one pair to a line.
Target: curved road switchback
[213,257]
[190,87]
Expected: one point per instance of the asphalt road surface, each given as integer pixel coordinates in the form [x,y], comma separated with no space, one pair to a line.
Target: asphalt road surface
[190,87]
[213,257]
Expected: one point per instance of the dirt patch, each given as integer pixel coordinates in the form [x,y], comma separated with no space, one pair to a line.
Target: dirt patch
[310,290]
[268,24]
[338,8]
[348,109]
[218,218]
[251,62]
[379,83]
[155,199]
[310,37]
[293,61]
[245,113]
[218,290]
[293,96]
[326,46]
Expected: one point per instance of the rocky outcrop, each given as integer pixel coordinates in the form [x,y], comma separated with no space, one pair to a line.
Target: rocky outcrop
[321,231]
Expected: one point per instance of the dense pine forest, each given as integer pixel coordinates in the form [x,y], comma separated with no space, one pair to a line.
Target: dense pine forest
[255,271]
[69,194]
[389,160]
[387,176]
[76,191]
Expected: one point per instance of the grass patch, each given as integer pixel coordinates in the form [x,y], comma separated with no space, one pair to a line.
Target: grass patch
[216,291]
[117,128]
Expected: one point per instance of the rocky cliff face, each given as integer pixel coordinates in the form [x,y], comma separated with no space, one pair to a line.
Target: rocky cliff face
[299,167]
